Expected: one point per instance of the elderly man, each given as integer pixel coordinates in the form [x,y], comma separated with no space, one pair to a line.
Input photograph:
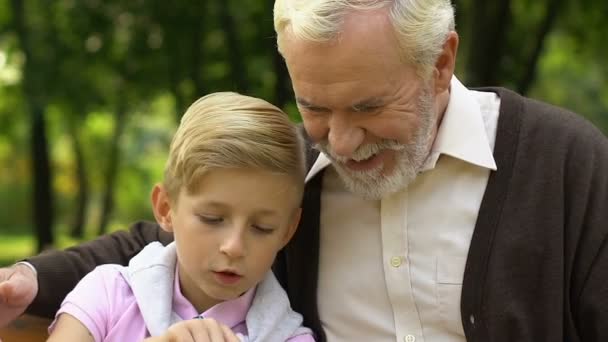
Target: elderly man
[432,212]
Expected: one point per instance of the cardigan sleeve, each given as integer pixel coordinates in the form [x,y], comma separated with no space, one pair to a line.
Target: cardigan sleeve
[59,271]
[592,311]
[587,211]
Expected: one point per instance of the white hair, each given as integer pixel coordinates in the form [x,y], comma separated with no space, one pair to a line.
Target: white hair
[421,26]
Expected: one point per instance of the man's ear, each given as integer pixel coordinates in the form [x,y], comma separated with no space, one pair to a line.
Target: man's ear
[162,207]
[446,63]
[293,226]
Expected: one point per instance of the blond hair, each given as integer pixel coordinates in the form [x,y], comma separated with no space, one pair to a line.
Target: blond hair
[421,26]
[229,130]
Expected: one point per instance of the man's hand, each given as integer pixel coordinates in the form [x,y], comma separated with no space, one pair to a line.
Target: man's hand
[18,288]
[196,330]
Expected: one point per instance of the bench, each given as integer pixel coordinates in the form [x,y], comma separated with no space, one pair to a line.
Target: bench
[26,329]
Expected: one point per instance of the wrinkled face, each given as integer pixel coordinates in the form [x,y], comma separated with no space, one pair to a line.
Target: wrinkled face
[363,106]
[229,231]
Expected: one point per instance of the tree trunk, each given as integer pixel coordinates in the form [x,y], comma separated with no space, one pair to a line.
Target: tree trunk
[283,89]
[112,167]
[174,65]
[553,9]
[174,80]
[42,197]
[238,70]
[165,15]
[460,13]
[82,199]
[488,32]
[196,53]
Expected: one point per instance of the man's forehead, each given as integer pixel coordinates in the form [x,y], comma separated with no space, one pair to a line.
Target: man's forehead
[362,32]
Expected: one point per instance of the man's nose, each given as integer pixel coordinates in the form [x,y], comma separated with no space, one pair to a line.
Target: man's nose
[344,136]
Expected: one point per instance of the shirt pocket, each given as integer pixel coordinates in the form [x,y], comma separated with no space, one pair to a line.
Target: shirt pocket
[450,271]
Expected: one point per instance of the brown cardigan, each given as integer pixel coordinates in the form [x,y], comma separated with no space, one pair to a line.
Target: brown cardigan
[537,268]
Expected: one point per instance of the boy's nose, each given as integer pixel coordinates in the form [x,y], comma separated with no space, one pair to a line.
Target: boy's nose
[233,245]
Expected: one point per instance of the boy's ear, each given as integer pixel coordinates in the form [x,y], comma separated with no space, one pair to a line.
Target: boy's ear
[293,226]
[161,207]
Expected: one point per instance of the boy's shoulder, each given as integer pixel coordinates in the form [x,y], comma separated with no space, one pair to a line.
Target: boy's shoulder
[112,273]
[101,301]
[110,281]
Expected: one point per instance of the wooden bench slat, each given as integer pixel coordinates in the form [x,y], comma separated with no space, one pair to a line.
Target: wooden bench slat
[26,329]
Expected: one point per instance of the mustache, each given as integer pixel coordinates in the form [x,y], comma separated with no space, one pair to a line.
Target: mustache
[362,152]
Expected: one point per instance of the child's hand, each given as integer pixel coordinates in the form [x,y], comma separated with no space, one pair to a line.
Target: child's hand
[197,330]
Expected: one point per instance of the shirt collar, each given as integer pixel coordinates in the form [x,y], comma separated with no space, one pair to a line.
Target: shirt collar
[322,162]
[231,312]
[462,134]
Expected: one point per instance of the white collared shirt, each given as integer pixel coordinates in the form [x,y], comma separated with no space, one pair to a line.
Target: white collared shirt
[393,271]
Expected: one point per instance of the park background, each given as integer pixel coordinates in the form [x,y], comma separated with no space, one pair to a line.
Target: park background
[91,92]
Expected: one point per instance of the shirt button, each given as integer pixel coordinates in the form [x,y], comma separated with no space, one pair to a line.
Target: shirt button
[396,262]
[409,338]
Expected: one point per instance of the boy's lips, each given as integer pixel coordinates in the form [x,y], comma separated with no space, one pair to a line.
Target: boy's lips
[227,277]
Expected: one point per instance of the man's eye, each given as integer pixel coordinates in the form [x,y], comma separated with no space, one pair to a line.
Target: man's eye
[313,110]
[366,109]
[312,115]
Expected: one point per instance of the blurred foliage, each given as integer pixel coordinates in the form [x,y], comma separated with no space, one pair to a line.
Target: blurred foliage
[107,82]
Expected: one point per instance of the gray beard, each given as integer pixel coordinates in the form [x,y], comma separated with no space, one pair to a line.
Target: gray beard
[409,158]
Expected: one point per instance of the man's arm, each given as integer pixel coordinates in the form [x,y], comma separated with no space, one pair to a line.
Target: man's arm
[592,306]
[587,217]
[59,271]
[590,290]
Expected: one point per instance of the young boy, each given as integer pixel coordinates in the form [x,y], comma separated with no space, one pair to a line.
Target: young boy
[231,197]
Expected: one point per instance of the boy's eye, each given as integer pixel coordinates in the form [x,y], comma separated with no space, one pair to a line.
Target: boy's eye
[210,219]
[263,229]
